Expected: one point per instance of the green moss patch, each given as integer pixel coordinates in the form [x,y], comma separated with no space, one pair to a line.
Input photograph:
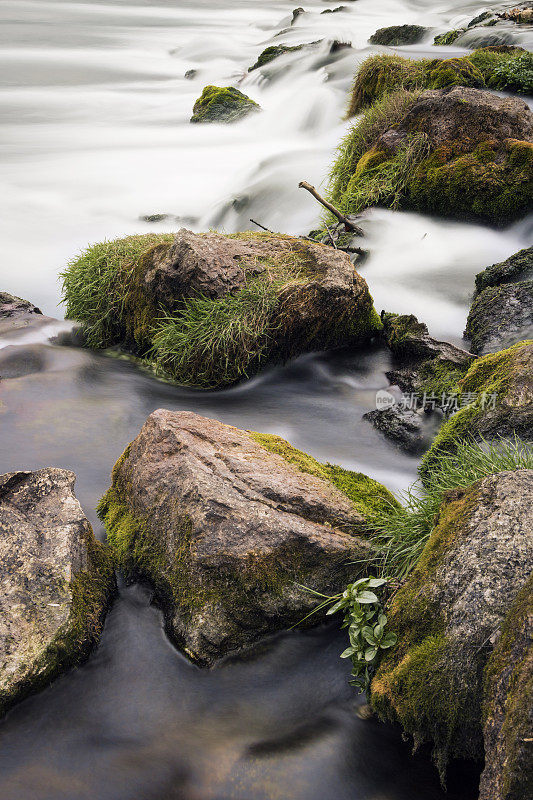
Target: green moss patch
[222,104]
[369,496]
[497,69]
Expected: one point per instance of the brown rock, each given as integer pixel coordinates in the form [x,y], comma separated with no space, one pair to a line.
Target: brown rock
[226,524]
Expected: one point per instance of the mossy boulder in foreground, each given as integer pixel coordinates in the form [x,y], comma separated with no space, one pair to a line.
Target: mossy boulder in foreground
[449,615]
[456,152]
[226,523]
[57,581]
[208,310]
[222,104]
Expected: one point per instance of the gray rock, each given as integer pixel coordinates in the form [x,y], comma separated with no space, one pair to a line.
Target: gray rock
[508,706]
[411,431]
[57,581]
[518,267]
[501,316]
[398,34]
[226,524]
[449,614]
[16,313]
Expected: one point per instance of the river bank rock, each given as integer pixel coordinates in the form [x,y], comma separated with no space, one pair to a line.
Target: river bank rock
[502,310]
[227,523]
[398,34]
[57,581]
[426,371]
[209,309]
[223,104]
[508,706]
[455,152]
[16,313]
[494,400]
[449,615]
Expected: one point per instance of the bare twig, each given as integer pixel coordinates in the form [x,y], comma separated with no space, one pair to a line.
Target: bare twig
[332,240]
[348,224]
[260,226]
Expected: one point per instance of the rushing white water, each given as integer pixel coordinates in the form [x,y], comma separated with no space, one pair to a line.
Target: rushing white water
[96,133]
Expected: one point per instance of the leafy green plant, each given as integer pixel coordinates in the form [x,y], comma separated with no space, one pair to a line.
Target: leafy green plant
[366,623]
[402,531]
[514,75]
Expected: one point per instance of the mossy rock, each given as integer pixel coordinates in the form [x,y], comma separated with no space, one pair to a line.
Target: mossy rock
[229,525]
[456,152]
[494,400]
[270,54]
[449,612]
[208,310]
[501,316]
[223,104]
[508,706]
[398,34]
[503,68]
[57,582]
[445,39]
[518,267]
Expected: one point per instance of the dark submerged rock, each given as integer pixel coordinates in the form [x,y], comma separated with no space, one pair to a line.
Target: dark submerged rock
[398,34]
[449,615]
[226,523]
[222,104]
[57,581]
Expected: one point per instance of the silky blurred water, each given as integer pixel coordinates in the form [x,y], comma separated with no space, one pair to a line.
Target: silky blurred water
[95,134]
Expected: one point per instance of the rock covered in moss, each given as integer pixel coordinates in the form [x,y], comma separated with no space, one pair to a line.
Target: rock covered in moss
[501,316]
[208,310]
[494,400]
[226,523]
[502,310]
[518,267]
[57,581]
[445,39]
[456,152]
[398,34]
[508,706]
[426,369]
[223,104]
[449,614]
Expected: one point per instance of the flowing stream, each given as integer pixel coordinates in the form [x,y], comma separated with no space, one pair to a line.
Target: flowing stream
[95,136]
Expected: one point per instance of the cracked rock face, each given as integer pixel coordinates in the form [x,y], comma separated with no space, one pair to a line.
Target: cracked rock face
[56,580]
[16,313]
[225,530]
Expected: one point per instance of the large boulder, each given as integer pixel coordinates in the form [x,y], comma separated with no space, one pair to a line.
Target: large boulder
[502,311]
[229,524]
[223,104]
[449,614]
[57,581]
[209,310]
[493,400]
[508,706]
[456,152]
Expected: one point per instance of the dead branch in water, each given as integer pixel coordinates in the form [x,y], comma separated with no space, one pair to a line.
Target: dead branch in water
[260,226]
[348,224]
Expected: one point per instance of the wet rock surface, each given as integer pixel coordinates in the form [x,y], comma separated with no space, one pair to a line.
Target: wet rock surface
[56,581]
[500,317]
[398,34]
[508,706]
[450,612]
[226,524]
[16,313]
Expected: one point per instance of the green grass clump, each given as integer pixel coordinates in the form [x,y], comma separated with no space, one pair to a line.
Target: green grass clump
[404,530]
[385,114]
[96,285]
[216,342]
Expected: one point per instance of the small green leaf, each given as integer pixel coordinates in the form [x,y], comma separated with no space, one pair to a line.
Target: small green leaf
[370,654]
[373,583]
[388,640]
[367,597]
[337,607]
[348,652]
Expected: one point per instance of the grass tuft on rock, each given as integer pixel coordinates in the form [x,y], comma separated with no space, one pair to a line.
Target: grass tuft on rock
[403,531]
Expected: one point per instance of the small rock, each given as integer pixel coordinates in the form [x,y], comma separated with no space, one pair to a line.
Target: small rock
[398,35]
[222,104]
